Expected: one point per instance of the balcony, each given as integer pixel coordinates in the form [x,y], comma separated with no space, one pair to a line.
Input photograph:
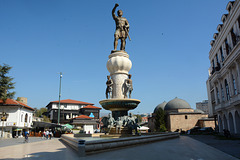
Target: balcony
[234,100]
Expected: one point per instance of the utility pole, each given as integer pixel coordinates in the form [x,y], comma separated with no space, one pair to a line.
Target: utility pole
[59,98]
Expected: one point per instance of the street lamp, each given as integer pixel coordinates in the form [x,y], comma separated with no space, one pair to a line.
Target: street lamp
[59,98]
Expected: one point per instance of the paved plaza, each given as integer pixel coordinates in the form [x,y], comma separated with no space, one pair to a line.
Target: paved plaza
[183,148]
[230,146]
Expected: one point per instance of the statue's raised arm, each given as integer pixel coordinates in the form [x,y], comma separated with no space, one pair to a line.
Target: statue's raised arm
[113,11]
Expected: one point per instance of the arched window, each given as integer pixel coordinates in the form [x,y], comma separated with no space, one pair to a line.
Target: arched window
[29,119]
[26,117]
[217,95]
[234,85]
[22,118]
[227,90]
[222,93]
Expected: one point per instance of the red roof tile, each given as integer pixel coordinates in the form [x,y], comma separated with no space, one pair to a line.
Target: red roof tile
[83,117]
[71,102]
[89,106]
[14,102]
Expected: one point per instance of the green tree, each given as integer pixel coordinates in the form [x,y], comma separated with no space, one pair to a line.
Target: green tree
[139,117]
[46,119]
[6,83]
[39,112]
[160,124]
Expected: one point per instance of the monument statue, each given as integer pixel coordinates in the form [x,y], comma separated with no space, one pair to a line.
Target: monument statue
[122,28]
[132,123]
[111,121]
[119,84]
[109,84]
[129,87]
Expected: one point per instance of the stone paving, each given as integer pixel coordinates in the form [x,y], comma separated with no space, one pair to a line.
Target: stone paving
[229,146]
[183,148]
[16,141]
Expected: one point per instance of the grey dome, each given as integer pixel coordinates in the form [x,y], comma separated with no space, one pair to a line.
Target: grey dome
[198,111]
[177,103]
[162,105]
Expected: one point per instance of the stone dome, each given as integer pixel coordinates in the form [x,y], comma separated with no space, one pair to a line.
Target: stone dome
[162,105]
[177,103]
[198,111]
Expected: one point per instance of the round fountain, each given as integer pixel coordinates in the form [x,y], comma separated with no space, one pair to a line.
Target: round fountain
[120,101]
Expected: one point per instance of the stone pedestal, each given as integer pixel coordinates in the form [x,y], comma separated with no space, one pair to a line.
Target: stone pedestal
[119,65]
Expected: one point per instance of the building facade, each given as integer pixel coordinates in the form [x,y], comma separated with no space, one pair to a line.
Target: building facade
[203,106]
[70,109]
[223,84]
[180,116]
[18,118]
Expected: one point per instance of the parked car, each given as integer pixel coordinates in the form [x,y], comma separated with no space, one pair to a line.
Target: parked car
[206,130]
[194,130]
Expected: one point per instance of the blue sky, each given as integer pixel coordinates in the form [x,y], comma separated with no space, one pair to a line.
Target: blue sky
[169,48]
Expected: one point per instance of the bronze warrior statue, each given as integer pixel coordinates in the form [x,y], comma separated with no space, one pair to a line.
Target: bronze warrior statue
[122,28]
[109,84]
[129,87]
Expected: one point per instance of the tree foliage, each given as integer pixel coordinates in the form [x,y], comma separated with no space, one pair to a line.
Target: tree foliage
[46,119]
[139,117]
[6,83]
[160,124]
[39,112]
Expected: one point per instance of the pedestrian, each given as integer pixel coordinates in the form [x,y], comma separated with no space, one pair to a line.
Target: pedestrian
[44,135]
[47,133]
[50,134]
[26,136]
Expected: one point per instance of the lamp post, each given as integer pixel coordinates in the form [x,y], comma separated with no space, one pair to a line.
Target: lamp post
[59,98]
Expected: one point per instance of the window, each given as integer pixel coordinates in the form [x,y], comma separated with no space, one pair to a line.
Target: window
[222,57]
[218,64]
[29,119]
[22,118]
[213,64]
[227,90]
[186,117]
[222,93]
[234,38]
[217,94]
[234,86]
[227,47]
[26,117]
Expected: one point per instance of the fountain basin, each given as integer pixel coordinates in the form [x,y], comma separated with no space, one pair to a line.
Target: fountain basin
[88,147]
[119,104]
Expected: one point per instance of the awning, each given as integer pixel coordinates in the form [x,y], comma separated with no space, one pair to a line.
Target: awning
[18,129]
[68,126]
[44,124]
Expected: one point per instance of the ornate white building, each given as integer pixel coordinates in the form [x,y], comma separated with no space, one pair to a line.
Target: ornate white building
[223,84]
[18,117]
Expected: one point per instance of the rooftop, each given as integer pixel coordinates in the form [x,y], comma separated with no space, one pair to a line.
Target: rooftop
[15,103]
[70,101]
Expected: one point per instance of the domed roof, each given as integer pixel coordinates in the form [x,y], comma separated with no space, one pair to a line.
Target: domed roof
[198,111]
[177,103]
[162,105]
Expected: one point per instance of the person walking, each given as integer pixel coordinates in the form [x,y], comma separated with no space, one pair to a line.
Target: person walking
[26,136]
[44,135]
[47,133]
[50,134]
